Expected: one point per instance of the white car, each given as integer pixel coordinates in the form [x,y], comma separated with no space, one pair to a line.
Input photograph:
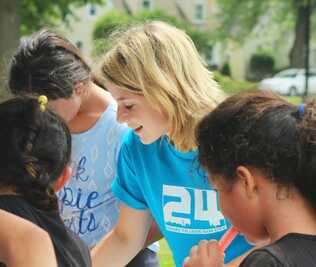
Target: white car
[290,82]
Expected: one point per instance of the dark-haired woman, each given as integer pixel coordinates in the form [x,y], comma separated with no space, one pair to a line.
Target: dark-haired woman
[260,155]
[35,151]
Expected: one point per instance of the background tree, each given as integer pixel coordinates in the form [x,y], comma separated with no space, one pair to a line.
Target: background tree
[239,18]
[26,16]
[118,20]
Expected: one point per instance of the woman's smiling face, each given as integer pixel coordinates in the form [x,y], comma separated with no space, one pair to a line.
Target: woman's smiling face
[148,122]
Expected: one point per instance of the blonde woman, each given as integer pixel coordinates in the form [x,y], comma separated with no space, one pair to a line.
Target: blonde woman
[163,90]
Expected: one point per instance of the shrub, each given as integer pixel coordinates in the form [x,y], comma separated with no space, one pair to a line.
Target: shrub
[260,66]
[226,69]
[113,20]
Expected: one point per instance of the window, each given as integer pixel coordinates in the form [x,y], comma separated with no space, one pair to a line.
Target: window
[209,54]
[146,4]
[287,74]
[79,44]
[92,10]
[199,12]
[312,74]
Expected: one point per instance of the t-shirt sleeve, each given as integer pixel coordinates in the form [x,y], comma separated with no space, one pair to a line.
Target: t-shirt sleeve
[127,186]
[261,258]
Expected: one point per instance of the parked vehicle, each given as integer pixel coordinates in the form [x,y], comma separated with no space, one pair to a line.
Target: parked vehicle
[290,82]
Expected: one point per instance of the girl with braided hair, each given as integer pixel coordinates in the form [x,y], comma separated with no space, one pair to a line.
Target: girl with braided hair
[36,147]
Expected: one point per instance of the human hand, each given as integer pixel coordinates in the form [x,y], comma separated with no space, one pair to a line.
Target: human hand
[206,254]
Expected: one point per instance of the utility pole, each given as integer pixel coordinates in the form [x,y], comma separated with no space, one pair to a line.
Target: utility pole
[307,38]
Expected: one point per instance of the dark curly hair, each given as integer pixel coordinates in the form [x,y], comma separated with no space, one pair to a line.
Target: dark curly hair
[46,63]
[262,130]
[35,148]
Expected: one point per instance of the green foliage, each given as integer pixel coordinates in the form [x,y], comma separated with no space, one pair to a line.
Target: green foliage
[239,18]
[107,24]
[159,15]
[114,20]
[39,13]
[200,38]
[231,86]
[226,69]
[260,66]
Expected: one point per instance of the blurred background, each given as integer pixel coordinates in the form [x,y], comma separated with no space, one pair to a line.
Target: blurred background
[243,42]
[246,43]
[266,44]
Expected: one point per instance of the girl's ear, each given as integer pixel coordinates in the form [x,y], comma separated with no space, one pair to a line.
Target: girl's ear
[247,179]
[63,178]
[80,88]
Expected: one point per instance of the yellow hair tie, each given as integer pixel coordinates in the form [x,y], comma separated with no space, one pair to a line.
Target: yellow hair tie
[31,170]
[42,100]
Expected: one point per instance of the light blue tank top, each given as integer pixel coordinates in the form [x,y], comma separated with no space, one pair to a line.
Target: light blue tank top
[88,206]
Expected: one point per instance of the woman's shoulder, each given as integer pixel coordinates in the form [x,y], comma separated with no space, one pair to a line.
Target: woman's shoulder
[261,258]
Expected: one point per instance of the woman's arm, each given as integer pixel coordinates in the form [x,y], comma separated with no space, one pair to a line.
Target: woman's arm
[127,238]
[23,244]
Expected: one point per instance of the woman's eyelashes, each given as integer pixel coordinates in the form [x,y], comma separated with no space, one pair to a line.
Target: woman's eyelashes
[129,106]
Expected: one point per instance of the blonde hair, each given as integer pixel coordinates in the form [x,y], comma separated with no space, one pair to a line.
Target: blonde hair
[162,63]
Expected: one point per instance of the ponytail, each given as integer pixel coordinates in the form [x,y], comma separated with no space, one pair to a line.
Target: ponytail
[36,147]
[306,179]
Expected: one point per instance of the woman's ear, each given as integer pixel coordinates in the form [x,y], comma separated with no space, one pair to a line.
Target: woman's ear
[247,179]
[63,178]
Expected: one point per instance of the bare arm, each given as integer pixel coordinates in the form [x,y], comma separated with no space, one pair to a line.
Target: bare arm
[23,244]
[127,238]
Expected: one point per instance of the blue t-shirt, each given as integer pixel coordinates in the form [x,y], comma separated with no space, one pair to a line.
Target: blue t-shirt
[175,189]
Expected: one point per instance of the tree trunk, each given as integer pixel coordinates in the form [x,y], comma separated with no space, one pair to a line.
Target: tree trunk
[298,49]
[10,33]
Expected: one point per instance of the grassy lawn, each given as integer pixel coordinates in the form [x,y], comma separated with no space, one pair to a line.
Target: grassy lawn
[294,99]
[165,255]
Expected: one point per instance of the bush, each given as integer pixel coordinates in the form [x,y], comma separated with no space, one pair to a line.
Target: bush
[260,66]
[116,20]
[104,26]
[108,23]
[226,70]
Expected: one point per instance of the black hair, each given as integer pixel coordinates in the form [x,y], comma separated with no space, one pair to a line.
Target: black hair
[35,149]
[46,63]
[261,130]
